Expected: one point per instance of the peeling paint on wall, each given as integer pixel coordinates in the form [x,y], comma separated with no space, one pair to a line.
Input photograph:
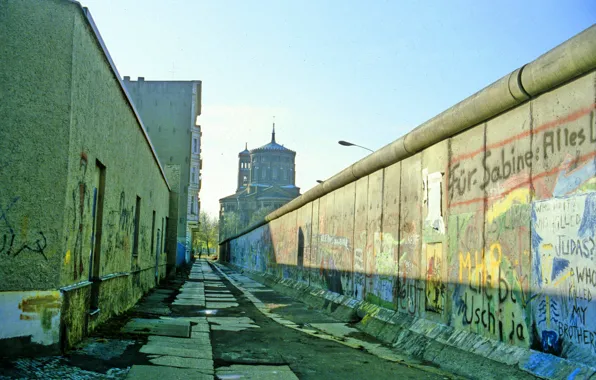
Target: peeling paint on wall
[31,314]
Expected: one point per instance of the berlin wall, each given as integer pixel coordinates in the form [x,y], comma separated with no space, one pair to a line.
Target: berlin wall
[483,219]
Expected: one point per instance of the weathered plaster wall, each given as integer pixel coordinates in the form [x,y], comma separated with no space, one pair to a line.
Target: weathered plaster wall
[490,231]
[104,129]
[65,116]
[34,107]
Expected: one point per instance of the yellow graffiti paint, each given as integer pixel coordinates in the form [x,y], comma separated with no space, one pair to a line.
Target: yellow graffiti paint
[67,258]
[464,263]
[546,262]
[562,278]
[519,196]
[547,246]
[24,227]
[484,265]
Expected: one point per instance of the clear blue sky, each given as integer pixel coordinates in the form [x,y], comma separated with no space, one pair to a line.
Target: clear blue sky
[365,72]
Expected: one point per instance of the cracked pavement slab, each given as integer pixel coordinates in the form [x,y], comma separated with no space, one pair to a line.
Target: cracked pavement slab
[281,340]
[256,372]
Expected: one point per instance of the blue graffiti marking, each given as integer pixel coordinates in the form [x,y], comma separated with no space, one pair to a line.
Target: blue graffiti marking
[536,240]
[551,343]
[4,213]
[574,374]
[588,224]
[567,182]
[559,265]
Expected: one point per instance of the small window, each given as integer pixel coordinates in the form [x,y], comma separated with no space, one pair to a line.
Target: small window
[195,145]
[193,204]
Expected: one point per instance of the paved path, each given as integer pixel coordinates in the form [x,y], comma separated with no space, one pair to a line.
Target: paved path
[220,324]
[269,330]
[174,354]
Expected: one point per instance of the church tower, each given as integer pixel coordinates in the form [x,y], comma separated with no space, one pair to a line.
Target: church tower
[243,169]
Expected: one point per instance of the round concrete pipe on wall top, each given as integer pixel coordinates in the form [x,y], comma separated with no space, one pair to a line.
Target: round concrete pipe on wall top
[398,151]
[486,103]
[515,86]
[369,164]
[569,60]
[339,180]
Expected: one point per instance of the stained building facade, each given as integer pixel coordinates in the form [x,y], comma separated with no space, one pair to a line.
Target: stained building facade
[266,179]
[169,110]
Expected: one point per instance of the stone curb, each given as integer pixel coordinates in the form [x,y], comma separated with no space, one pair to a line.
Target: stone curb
[428,340]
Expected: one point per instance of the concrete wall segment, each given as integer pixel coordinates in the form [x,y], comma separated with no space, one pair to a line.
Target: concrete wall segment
[493,226]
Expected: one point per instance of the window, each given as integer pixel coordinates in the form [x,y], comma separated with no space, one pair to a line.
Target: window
[195,145]
[244,180]
[274,173]
[264,174]
[193,174]
[193,204]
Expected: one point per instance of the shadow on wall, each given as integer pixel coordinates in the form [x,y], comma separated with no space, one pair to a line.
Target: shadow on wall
[539,298]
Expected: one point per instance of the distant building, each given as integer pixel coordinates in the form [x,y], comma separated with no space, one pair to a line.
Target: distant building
[266,179]
[169,110]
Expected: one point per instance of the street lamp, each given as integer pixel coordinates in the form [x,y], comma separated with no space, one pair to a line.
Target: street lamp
[319,181]
[345,143]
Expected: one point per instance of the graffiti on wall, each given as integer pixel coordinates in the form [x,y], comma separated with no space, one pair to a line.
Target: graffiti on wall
[383,267]
[563,244]
[335,262]
[435,288]
[499,162]
[13,243]
[81,199]
[489,297]
[252,251]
